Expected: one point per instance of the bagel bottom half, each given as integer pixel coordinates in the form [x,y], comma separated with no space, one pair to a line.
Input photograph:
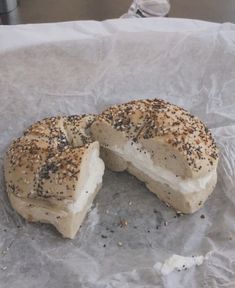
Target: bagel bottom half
[66,222]
[181,201]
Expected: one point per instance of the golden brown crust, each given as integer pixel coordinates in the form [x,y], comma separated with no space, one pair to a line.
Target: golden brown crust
[59,174]
[77,128]
[24,157]
[157,119]
[49,127]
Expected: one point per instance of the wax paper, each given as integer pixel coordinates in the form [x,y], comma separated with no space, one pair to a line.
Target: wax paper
[83,67]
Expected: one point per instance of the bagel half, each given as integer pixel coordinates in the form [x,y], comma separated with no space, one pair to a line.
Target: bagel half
[162,145]
[54,171]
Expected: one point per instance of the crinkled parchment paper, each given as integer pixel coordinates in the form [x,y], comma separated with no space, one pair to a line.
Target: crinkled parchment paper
[83,67]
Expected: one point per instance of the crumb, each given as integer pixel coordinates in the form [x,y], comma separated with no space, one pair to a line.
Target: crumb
[122,223]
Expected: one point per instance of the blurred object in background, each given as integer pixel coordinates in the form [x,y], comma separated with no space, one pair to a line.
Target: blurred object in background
[7,6]
[148,8]
[44,11]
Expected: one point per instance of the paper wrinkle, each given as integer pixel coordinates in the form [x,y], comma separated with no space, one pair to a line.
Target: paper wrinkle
[83,67]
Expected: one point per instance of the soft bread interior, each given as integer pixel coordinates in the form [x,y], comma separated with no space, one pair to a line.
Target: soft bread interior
[92,170]
[65,221]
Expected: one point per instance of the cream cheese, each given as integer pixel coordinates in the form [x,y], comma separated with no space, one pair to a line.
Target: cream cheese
[143,162]
[177,262]
[94,178]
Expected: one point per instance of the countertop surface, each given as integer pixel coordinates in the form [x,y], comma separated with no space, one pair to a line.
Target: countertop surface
[35,11]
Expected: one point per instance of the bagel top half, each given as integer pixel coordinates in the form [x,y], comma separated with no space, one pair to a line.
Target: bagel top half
[175,139]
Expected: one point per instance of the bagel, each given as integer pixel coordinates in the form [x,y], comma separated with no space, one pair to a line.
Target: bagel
[53,172]
[164,146]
